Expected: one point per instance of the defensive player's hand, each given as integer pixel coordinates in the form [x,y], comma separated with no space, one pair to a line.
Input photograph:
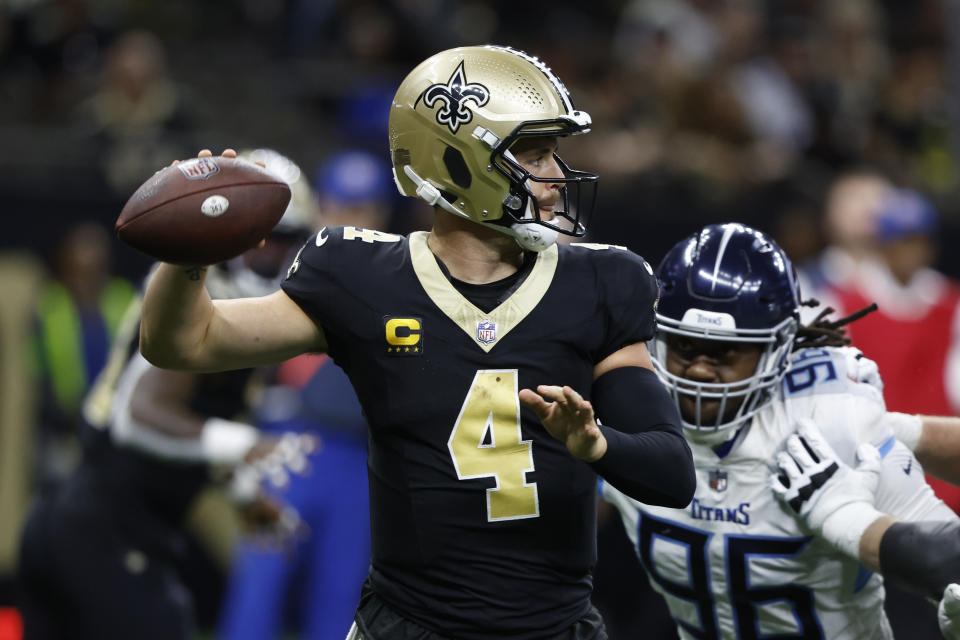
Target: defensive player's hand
[948,613]
[814,483]
[861,368]
[834,500]
[568,418]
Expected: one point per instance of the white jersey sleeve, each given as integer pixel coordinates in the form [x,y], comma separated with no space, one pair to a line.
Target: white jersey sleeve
[840,390]
[903,491]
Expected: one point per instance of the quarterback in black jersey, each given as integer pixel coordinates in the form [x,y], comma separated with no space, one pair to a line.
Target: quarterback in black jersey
[483,354]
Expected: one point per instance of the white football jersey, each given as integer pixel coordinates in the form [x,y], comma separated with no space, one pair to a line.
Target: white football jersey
[736,563]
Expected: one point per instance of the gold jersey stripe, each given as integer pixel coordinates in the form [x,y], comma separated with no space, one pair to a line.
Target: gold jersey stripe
[461,311]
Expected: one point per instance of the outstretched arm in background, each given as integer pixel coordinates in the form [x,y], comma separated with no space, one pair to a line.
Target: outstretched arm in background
[935,440]
[838,503]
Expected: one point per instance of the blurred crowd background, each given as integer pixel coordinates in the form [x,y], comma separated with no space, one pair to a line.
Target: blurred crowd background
[782,114]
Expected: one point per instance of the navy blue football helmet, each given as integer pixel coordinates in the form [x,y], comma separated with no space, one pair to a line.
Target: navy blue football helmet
[728,283]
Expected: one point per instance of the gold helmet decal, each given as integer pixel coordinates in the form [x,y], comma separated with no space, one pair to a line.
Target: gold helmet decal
[453,99]
[452,123]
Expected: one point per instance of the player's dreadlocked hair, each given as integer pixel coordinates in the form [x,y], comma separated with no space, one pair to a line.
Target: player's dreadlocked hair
[827,333]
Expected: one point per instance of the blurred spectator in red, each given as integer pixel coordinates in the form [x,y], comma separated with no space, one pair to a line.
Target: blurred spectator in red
[915,335]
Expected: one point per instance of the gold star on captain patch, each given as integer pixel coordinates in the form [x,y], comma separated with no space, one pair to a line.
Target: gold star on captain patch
[406,348]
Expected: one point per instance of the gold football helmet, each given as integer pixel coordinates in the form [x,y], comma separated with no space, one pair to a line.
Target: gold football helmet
[452,123]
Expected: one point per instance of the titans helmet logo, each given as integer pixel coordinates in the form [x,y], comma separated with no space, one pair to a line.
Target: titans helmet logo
[453,98]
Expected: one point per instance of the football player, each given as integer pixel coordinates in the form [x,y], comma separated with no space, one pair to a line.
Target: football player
[479,351]
[838,504]
[100,557]
[737,563]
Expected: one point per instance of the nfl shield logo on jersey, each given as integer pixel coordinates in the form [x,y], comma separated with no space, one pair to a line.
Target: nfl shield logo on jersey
[486,331]
[718,480]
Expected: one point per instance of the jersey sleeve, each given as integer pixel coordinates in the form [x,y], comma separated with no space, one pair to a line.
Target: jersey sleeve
[315,278]
[630,291]
[903,490]
[823,384]
[846,401]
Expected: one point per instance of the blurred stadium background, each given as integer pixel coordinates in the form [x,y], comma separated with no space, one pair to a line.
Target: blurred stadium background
[704,111]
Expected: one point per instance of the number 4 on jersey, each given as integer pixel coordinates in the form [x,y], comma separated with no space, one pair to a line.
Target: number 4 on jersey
[369,235]
[485,443]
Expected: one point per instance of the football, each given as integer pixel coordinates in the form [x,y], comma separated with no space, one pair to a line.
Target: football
[203,210]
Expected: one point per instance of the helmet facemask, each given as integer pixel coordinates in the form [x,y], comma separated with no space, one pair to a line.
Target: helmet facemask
[755,391]
[726,283]
[578,193]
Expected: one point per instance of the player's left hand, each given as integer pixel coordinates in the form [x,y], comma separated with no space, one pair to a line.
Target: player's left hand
[948,613]
[569,418]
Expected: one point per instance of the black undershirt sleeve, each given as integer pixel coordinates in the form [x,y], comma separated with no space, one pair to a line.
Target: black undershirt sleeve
[923,557]
[647,456]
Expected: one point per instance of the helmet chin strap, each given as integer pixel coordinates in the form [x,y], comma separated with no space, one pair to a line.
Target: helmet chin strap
[531,236]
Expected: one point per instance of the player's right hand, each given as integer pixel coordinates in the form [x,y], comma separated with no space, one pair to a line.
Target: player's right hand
[815,484]
[206,153]
[948,613]
[861,368]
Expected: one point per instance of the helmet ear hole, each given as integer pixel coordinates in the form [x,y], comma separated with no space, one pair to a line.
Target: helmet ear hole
[457,167]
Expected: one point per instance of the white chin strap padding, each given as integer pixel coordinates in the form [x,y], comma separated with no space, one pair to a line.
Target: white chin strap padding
[533,237]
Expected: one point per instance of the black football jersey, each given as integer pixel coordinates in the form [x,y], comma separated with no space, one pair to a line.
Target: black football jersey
[483,525]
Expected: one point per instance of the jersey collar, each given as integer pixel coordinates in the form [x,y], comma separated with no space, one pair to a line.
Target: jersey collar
[486,329]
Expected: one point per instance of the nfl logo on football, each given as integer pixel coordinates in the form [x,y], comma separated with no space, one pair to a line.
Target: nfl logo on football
[198,168]
[718,480]
[486,331]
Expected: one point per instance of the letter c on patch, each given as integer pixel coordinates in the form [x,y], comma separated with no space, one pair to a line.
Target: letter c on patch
[403,331]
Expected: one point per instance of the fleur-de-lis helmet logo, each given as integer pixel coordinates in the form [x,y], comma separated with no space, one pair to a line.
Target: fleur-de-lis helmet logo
[453,98]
